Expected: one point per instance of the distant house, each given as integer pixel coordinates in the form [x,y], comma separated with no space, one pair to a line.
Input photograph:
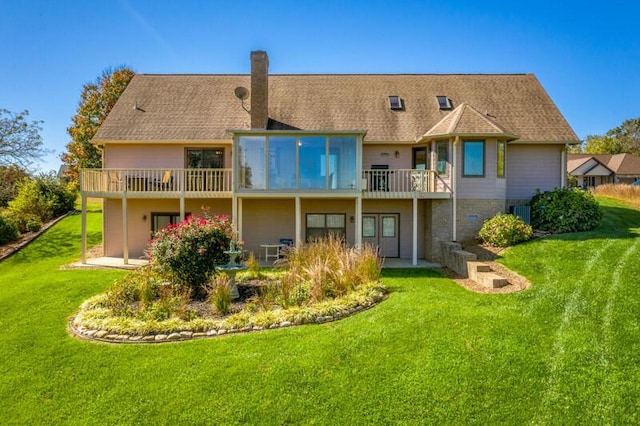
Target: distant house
[591,170]
[402,162]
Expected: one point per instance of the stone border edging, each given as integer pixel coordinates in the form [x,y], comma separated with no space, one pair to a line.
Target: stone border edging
[104,336]
[13,249]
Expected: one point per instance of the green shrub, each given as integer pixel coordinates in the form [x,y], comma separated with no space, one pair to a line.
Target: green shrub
[565,210]
[27,222]
[61,196]
[30,201]
[8,230]
[188,252]
[44,196]
[504,230]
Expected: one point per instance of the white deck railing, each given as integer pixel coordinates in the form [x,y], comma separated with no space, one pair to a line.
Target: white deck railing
[393,183]
[402,182]
[155,181]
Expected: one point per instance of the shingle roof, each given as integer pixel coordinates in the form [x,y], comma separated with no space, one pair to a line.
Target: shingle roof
[621,164]
[466,120]
[204,107]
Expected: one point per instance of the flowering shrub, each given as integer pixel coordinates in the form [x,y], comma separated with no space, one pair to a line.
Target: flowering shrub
[565,210]
[189,251]
[504,230]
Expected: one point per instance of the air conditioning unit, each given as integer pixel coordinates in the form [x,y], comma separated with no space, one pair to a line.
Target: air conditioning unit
[523,212]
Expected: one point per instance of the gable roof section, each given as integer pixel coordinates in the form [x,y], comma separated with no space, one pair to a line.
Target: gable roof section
[465,120]
[620,164]
[204,107]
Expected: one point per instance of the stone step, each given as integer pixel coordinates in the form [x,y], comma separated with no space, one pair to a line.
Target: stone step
[490,280]
[473,267]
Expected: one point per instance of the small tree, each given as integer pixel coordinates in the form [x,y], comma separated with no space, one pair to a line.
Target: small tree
[9,178]
[20,141]
[189,252]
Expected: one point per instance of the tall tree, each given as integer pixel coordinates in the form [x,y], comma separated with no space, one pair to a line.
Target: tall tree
[10,176]
[20,141]
[96,101]
[624,138]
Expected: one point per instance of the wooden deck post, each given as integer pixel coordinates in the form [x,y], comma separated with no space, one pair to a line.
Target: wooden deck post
[83,232]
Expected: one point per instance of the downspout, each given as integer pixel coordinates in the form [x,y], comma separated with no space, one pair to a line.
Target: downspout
[454,188]
[563,166]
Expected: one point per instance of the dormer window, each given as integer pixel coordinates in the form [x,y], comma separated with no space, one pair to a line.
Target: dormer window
[395,103]
[444,102]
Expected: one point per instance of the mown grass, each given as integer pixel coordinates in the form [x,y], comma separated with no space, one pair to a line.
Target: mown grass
[566,351]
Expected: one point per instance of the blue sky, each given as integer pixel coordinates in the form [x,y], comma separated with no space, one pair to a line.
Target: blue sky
[586,55]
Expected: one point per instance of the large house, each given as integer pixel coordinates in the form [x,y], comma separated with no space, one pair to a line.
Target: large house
[403,162]
[590,170]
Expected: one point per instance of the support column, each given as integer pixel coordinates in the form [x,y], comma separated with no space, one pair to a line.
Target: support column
[83,232]
[238,220]
[414,256]
[298,223]
[125,231]
[182,210]
[454,189]
[358,222]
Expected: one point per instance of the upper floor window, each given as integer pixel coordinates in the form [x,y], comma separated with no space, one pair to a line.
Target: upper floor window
[473,158]
[501,158]
[442,157]
[204,158]
[294,162]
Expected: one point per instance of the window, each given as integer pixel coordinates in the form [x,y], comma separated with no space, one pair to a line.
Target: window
[442,151]
[473,158]
[501,156]
[395,103]
[208,158]
[251,154]
[444,102]
[162,220]
[321,225]
[296,162]
[282,162]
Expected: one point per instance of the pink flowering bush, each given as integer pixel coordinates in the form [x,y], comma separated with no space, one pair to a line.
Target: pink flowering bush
[188,252]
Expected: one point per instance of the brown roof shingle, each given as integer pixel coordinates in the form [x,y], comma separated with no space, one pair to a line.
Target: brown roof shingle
[204,107]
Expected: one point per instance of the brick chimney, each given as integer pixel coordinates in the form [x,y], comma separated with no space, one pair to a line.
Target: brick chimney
[259,89]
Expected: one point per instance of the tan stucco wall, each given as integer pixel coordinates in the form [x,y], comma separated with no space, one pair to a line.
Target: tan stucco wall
[139,220]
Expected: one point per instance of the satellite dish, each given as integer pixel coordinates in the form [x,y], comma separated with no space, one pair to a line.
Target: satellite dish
[241,93]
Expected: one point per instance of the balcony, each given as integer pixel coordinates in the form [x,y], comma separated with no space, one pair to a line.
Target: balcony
[217,183]
[156,183]
[403,183]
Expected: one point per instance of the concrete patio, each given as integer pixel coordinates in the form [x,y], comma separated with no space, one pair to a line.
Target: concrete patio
[118,263]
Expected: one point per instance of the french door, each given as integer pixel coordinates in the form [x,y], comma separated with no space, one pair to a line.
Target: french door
[382,230]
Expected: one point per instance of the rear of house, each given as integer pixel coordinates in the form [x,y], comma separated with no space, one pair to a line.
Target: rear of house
[402,162]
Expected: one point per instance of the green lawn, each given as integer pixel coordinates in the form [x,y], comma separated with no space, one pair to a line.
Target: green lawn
[566,351]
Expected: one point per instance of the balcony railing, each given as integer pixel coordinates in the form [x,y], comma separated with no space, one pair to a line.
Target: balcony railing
[400,183]
[155,182]
[169,183]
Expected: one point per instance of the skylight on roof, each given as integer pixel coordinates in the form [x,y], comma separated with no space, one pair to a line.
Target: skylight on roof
[444,102]
[395,103]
